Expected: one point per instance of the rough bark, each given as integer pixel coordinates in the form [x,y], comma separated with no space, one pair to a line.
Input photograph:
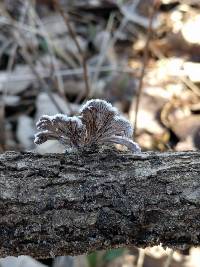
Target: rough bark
[59,204]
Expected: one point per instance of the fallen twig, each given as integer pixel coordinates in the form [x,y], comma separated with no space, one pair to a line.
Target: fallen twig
[65,72]
[74,37]
[59,81]
[28,59]
[25,54]
[145,59]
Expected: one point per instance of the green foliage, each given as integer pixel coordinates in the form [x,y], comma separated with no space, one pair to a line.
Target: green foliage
[113,254]
[94,259]
[43,45]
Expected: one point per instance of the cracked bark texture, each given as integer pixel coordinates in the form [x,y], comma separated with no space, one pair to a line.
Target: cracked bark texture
[58,204]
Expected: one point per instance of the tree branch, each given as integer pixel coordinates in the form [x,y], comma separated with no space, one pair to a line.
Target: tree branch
[61,204]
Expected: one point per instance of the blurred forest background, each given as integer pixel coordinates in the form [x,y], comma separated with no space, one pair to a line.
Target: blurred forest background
[143,56]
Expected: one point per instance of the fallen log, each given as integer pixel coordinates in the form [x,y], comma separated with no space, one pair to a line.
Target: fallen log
[58,204]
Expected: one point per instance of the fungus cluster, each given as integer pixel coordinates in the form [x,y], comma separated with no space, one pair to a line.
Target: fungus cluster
[98,123]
